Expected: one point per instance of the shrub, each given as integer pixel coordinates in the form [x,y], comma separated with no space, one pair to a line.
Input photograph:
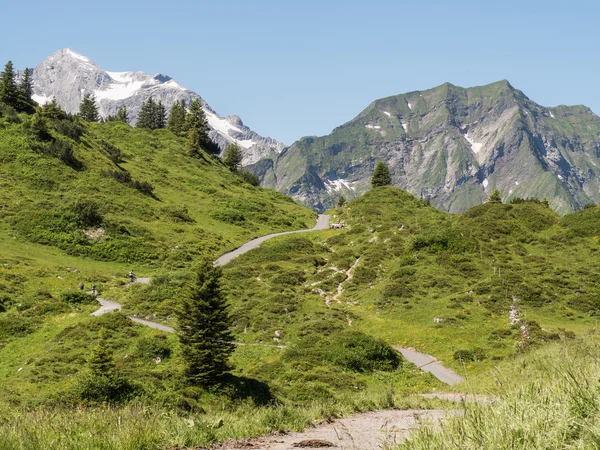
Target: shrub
[249,177]
[144,187]
[352,350]
[77,297]
[121,176]
[86,213]
[69,128]
[114,154]
[464,356]
[154,347]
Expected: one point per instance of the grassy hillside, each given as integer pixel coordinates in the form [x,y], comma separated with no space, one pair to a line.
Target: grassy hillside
[317,312]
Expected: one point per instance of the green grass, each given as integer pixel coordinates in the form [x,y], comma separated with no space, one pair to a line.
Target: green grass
[546,399]
[409,264]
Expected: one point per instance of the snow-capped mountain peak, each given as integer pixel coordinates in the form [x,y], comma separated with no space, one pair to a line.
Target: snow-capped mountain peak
[68,75]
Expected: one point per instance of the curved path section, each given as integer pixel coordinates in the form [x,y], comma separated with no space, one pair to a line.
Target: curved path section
[428,363]
[322,224]
[107,306]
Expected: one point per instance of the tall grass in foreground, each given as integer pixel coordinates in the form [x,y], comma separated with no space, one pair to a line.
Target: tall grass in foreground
[139,427]
[547,400]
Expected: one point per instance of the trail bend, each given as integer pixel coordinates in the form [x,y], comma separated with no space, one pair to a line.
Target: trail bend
[107,306]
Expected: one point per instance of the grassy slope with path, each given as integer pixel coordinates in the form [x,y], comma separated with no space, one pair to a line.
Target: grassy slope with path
[414,264]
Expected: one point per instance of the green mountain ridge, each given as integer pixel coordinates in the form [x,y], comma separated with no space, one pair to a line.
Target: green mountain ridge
[450,145]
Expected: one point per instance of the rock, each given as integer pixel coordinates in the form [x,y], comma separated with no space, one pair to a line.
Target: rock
[314,443]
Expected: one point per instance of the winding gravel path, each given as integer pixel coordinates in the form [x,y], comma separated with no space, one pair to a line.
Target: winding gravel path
[322,224]
[107,306]
[428,363]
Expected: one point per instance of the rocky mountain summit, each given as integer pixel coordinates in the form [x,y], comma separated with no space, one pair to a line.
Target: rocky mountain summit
[452,146]
[67,75]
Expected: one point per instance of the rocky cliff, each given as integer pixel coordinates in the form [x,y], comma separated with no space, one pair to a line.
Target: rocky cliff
[452,146]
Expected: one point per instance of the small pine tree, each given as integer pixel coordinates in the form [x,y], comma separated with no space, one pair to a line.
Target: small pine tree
[546,203]
[101,382]
[232,157]
[177,118]
[122,114]
[381,175]
[197,128]
[51,110]
[496,197]
[341,201]
[25,91]
[9,92]
[88,110]
[203,325]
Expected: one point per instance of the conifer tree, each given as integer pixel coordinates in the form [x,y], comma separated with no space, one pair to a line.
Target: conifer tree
[496,197]
[197,128]
[51,110]
[159,116]
[122,114]
[25,91]
[146,115]
[381,175]
[177,119]
[232,157]
[101,382]
[203,325]
[88,110]
[341,201]
[9,92]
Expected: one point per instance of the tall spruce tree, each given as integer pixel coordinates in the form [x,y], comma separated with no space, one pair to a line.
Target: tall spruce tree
[122,114]
[160,115]
[25,91]
[9,92]
[232,157]
[203,325]
[146,115]
[177,119]
[197,128]
[381,175]
[88,110]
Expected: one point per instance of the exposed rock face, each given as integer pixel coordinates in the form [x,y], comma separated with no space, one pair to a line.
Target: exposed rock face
[67,75]
[450,145]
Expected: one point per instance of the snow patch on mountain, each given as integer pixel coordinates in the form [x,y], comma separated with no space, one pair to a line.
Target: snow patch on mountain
[475,146]
[387,113]
[405,126]
[337,185]
[119,91]
[485,183]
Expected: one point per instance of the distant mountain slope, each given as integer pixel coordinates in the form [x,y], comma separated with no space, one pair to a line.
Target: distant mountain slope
[453,146]
[67,75]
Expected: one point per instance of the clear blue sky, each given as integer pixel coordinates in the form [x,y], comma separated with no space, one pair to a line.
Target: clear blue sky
[291,69]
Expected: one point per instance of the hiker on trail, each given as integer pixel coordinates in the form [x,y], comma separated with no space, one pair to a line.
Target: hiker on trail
[81,286]
[94,289]
[132,276]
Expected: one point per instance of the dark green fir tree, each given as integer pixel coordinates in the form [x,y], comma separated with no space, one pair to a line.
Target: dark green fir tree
[232,157]
[88,110]
[9,92]
[177,118]
[203,328]
[381,175]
